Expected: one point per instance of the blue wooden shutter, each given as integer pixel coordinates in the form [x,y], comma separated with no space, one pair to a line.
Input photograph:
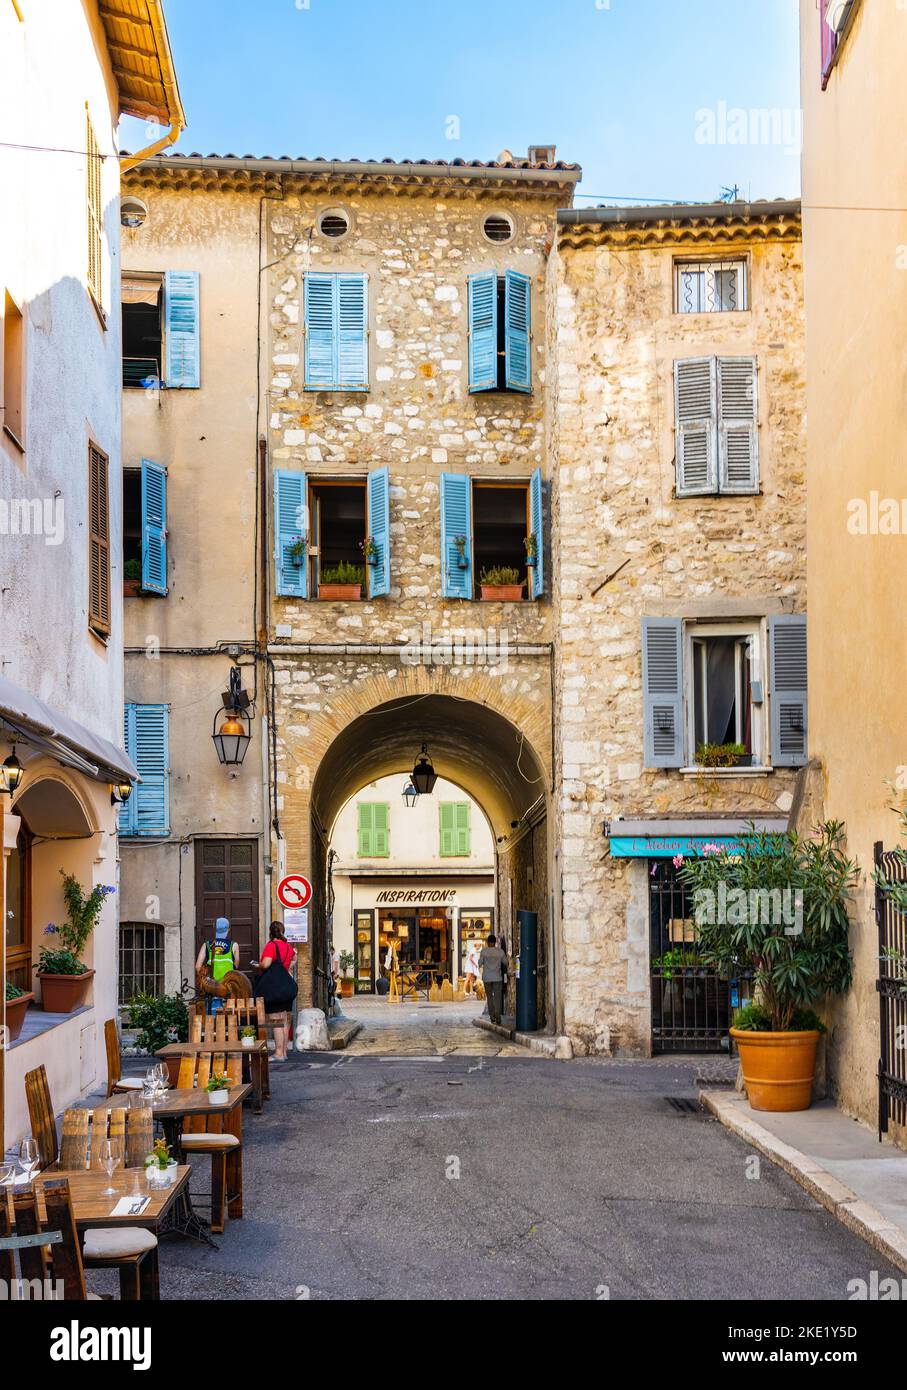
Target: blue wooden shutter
[148,744]
[662,684]
[321,344]
[456,520]
[518,330]
[738,438]
[126,820]
[290,522]
[379,527]
[352,335]
[154,527]
[787,645]
[537,523]
[181,329]
[483,331]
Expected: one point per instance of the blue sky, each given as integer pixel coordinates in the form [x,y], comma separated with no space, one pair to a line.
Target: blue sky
[620,85]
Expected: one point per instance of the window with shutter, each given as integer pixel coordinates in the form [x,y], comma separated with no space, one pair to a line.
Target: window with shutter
[695,425]
[500,332]
[662,679]
[789,686]
[537,535]
[378,566]
[374,829]
[291,527]
[453,817]
[738,445]
[181,330]
[483,331]
[517,331]
[154,528]
[456,536]
[94,166]
[336,332]
[98,543]
[147,739]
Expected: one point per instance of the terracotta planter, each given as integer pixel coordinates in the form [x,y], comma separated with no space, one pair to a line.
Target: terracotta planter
[502,593]
[346,988]
[16,1009]
[132,588]
[61,994]
[339,591]
[778,1068]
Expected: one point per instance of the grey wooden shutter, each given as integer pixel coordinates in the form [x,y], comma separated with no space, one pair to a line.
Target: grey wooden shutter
[787,645]
[662,683]
[695,422]
[738,442]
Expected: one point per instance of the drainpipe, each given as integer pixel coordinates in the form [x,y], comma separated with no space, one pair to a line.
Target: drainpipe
[171,90]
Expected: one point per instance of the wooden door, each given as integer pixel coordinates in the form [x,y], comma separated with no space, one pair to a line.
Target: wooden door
[226,885]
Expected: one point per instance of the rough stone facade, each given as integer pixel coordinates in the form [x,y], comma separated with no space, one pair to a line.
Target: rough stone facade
[626,546]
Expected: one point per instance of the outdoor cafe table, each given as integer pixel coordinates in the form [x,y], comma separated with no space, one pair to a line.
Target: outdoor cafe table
[257,1054]
[92,1206]
[174,1106]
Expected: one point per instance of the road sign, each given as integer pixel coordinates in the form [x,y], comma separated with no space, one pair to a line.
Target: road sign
[294,891]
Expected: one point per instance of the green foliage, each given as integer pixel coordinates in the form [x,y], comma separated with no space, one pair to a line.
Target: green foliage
[298,548]
[160,1156]
[217,1082]
[82,913]
[792,966]
[532,547]
[132,569]
[13,992]
[248,1032]
[343,574]
[719,754]
[161,1019]
[500,574]
[755,1018]
[677,959]
[347,961]
[60,963]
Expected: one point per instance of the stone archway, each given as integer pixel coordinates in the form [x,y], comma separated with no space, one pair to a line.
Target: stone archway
[488,730]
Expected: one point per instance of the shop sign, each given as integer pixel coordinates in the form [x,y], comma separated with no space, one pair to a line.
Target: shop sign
[670,846]
[396,896]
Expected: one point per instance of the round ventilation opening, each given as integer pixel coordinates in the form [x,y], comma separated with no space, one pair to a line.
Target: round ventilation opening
[497,227]
[334,224]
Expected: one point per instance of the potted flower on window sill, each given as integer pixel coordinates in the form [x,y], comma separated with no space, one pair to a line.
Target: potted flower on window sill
[17,1002]
[501,584]
[723,755]
[341,582]
[63,974]
[298,551]
[532,551]
[347,961]
[460,547]
[132,578]
[369,548]
[776,910]
[248,1037]
[218,1089]
[160,1168]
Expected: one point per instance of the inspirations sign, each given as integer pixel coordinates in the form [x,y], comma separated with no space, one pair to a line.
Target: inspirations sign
[396,896]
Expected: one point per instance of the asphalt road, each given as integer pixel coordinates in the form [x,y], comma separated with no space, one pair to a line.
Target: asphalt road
[471,1177]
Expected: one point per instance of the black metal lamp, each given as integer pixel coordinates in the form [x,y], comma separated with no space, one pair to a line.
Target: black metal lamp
[424,775]
[13,774]
[121,792]
[233,737]
[410,795]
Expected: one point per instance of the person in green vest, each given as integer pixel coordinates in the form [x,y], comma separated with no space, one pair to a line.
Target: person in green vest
[220,956]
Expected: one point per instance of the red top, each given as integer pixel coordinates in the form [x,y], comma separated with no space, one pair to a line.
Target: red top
[287,954]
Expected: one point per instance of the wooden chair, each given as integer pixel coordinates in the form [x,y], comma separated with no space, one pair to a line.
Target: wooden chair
[41,1117]
[115,1081]
[249,1013]
[57,1259]
[216,1135]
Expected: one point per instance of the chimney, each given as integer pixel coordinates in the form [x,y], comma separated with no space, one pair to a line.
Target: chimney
[543,154]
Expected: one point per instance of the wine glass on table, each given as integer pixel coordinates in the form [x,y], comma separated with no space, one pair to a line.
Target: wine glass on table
[110,1154]
[28,1158]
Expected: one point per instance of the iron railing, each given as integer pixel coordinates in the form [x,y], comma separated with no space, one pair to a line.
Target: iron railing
[892,990]
[691,1006]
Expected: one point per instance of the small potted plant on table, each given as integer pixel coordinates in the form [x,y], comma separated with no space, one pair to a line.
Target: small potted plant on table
[248,1037]
[132,578]
[502,584]
[341,582]
[776,910]
[160,1168]
[64,976]
[218,1089]
[17,1002]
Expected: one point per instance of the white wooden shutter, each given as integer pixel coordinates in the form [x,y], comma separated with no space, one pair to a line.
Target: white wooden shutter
[695,420]
[738,442]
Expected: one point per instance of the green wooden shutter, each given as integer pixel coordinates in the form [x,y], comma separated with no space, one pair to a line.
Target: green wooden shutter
[461,827]
[181,329]
[381,821]
[446,823]
[365,829]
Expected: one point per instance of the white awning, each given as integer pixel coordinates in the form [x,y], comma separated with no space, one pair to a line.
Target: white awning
[32,721]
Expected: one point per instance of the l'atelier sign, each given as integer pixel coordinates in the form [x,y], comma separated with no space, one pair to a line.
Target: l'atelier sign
[417,895]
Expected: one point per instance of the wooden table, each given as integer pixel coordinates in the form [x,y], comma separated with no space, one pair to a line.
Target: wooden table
[92,1208]
[175,1106]
[259,1072]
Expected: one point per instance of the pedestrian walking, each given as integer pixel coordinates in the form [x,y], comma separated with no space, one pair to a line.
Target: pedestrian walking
[278,997]
[493,965]
[472,967]
[220,956]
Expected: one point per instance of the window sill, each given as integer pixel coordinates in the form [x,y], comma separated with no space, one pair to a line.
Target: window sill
[725,771]
[11,434]
[36,1023]
[102,638]
[723,496]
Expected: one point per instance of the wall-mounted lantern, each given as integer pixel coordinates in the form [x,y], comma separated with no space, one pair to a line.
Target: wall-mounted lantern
[13,772]
[121,792]
[234,734]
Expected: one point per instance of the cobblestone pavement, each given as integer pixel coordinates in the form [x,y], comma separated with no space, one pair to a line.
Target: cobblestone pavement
[415,1028]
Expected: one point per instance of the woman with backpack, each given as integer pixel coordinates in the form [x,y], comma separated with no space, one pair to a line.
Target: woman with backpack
[276,985]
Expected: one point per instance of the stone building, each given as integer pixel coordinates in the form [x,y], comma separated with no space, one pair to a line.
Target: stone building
[677,451]
[392,422]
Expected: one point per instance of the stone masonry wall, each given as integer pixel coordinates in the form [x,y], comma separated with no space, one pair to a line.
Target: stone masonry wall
[611,451]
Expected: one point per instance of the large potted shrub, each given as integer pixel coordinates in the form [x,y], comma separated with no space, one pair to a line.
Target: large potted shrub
[63,974]
[778,911]
[17,1002]
[160,1019]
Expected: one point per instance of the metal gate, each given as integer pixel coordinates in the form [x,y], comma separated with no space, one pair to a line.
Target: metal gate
[691,1006]
[892,988]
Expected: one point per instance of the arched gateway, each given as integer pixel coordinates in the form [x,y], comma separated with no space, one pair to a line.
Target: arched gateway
[488,731]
